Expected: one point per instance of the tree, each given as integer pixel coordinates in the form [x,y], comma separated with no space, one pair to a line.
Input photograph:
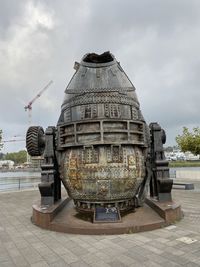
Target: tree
[189,141]
[17,157]
[1,144]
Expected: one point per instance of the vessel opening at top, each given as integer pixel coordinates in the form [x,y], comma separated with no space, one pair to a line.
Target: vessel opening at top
[95,58]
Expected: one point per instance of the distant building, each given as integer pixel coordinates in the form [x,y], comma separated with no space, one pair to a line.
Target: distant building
[6,164]
[190,156]
[179,155]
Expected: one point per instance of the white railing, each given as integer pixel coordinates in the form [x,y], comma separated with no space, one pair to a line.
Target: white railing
[18,183]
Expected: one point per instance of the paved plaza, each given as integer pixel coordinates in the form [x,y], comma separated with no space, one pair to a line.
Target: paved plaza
[24,244]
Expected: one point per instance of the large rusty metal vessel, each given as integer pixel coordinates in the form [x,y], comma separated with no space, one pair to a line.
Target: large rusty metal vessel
[102,149]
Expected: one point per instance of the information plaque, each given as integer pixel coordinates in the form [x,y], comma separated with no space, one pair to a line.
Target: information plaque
[105,215]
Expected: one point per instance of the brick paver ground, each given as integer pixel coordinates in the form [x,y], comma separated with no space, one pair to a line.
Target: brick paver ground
[23,244]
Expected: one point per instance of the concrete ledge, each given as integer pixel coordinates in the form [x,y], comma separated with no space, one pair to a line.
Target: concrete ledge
[62,217]
[186,186]
[43,215]
[169,211]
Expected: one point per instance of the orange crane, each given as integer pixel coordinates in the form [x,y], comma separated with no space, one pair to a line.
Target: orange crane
[29,105]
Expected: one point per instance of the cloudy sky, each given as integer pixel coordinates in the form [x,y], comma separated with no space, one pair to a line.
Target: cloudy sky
[157,43]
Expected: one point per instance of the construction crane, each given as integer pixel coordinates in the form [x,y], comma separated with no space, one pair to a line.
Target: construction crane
[29,106]
[13,140]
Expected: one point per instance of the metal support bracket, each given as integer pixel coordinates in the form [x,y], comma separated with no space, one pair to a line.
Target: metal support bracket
[50,186]
[160,183]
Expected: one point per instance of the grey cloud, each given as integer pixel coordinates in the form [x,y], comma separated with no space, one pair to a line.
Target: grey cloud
[157,43]
[10,11]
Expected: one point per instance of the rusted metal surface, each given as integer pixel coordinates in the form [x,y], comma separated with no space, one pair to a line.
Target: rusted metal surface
[102,148]
[101,136]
